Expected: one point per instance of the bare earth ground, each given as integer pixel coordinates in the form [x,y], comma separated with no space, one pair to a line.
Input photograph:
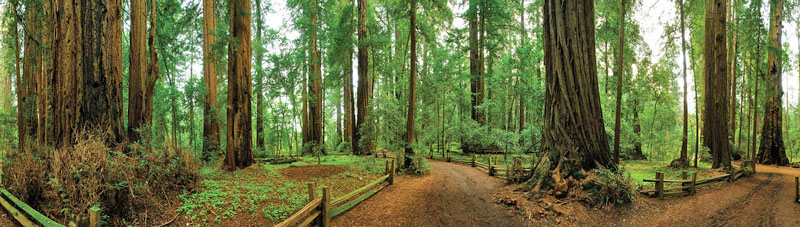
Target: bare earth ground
[456,195]
[452,195]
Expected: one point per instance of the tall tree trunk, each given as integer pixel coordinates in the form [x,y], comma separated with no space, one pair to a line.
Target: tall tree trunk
[637,129]
[620,70]
[87,77]
[523,79]
[211,137]
[684,159]
[143,74]
[412,89]
[732,71]
[474,56]
[716,99]
[755,100]
[27,123]
[260,133]
[15,35]
[363,124]
[349,107]
[239,133]
[44,76]
[573,133]
[772,150]
[314,90]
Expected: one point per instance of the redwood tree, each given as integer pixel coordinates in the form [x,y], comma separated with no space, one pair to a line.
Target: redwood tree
[314,99]
[143,74]
[573,132]
[239,143]
[619,73]
[364,85]
[772,149]
[87,66]
[715,132]
[211,137]
[412,87]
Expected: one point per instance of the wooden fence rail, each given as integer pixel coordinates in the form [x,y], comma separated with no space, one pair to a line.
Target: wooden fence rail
[688,187]
[26,215]
[319,211]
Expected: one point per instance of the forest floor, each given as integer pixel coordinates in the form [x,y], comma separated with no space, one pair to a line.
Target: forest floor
[457,195]
[452,195]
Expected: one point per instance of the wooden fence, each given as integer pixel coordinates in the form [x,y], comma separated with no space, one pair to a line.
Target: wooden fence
[319,211]
[511,172]
[687,186]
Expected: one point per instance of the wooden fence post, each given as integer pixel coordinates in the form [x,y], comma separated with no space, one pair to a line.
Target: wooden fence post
[474,157]
[94,217]
[491,167]
[391,174]
[386,170]
[684,175]
[660,185]
[326,208]
[312,191]
[448,156]
[796,189]
[82,220]
[692,189]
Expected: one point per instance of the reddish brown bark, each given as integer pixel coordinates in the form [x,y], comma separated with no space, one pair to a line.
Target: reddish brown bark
[619,73]
[412,87]
[362,144]
[772,149]
[715,131]
[211,137]
[239,133]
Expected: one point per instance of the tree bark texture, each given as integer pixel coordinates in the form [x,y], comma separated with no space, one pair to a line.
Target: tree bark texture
[361,143]
[715,131]
[620,70]
[772,149]
[239,133]
[573,133]
[211,137]
[412,86]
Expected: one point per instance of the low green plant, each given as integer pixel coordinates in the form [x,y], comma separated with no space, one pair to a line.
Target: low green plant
[606,187]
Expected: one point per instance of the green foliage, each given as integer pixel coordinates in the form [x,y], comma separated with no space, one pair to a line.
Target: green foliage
[419,165]
[606,187]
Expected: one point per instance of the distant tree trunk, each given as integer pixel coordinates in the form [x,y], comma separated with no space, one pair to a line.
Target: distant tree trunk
[620,60]
[15,35]
[755,99]
[314,99]
[44,76]
[772,150]
[683,161]
[211,137]
[87,77]
[239,142]
[412,86]
[523,40]
[143,75]
[573,133]
[732,62]
[637,128]
[363,124]
[27,123]
[474,57]
[716,98]
[349,107]
[260,139]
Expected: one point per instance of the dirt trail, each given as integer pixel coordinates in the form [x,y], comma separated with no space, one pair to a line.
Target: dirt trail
[765,199]
[452,195]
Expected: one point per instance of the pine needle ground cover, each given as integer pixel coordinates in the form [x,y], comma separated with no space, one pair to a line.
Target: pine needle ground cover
[264,194]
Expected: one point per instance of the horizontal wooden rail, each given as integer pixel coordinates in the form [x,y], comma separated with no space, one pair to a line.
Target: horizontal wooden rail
[357,192]
[19,209]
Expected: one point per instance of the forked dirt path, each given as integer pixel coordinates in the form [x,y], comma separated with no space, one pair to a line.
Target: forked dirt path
[452,195]
[764,199]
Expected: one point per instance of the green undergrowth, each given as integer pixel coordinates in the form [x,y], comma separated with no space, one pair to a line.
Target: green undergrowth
[262,193]
[637,170]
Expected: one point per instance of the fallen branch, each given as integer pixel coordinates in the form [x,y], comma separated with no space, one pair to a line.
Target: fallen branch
[173,219]
[212,211]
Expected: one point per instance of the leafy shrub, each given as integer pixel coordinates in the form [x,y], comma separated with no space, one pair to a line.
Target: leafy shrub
[419,165]
[604,187]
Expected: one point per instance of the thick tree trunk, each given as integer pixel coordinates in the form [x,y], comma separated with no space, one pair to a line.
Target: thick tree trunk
[772,150]
[143,74]
[619,74]
[363,123]
[102,71]
[474,57]
[27,123]
[732,62]
[412,86]
[87,77]
[573,133]
[239,133]
[349,107]
[211,137]
[716,98]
